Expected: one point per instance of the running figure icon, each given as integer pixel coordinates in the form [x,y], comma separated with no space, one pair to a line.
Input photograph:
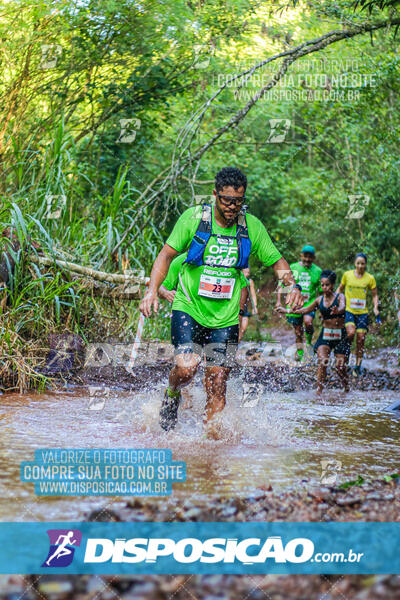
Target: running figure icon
[62,549]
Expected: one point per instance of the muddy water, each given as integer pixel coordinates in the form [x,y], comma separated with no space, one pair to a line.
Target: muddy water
[280,441]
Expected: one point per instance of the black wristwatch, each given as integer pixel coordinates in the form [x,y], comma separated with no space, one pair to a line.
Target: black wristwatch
[297,285]
[241,312]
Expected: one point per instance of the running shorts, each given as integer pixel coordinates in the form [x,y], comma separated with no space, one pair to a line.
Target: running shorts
[360,321]
[218,345]
[299,320]
[341,346]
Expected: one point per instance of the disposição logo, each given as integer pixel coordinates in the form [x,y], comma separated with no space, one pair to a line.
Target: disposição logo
[62,547]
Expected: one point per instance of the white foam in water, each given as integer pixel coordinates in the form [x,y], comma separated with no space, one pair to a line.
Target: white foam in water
[254,418]
[245,420]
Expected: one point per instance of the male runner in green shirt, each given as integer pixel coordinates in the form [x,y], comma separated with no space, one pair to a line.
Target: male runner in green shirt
[307,274]
[205,311]
[167,291]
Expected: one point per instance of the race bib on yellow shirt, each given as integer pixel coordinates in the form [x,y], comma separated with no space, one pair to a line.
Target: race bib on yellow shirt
[358,303]
[220,288]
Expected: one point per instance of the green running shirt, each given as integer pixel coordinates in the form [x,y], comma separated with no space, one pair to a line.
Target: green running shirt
[309,279]
[220,254]
[172,278]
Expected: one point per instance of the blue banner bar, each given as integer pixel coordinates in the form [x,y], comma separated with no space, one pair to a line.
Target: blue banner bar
[174,548]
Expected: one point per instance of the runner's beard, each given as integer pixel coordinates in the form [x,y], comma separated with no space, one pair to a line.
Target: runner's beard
[229,220]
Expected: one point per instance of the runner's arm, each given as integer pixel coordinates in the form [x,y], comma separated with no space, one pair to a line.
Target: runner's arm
[375,300]
[340,289]
[166,294]
[305,310]
[267,253]
[253,296]
[283,272]
[157,276]
[342,303]
[244,294]
[279,296]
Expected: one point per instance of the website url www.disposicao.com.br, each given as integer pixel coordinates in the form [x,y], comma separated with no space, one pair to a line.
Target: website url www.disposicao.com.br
[212,550]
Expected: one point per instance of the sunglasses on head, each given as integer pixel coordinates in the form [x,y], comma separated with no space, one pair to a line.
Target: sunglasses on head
[228,200]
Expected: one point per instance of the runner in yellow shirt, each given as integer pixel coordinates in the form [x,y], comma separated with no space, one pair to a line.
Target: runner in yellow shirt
[355,284]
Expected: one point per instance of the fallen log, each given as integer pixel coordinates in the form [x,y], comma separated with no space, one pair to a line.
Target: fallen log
[89,272]
[124,291]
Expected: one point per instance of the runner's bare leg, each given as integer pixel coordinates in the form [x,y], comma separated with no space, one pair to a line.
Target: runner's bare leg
[323,359]
[341,367]
[360,340]
[183,371]
[298,330]
[215,384]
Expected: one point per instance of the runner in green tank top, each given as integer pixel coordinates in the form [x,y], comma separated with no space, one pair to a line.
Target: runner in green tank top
[205,310]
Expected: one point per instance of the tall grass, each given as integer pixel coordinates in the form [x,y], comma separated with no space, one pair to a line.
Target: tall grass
[63,210]
[51,206]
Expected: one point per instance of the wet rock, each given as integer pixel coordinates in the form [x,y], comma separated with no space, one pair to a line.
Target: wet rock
[374,496]
[135,503]
[388,497]
[146,590]
[229,511]
[256,496]
[14,587]
[349,501]
[105,514]
[197,514]
[94,585]
[239,503]
[65,354]
[55,589]
[175,584]
[320,494]
[108,594]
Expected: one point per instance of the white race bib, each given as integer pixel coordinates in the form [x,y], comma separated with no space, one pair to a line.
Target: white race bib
[331,335]
[216,287]
[357,303]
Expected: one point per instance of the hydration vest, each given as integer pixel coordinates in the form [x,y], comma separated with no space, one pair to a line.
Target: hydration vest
[204,232]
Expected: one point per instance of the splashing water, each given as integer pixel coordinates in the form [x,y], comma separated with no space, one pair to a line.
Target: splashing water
[277,439]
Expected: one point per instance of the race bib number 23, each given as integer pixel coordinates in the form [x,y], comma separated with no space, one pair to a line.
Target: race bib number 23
[220,288]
